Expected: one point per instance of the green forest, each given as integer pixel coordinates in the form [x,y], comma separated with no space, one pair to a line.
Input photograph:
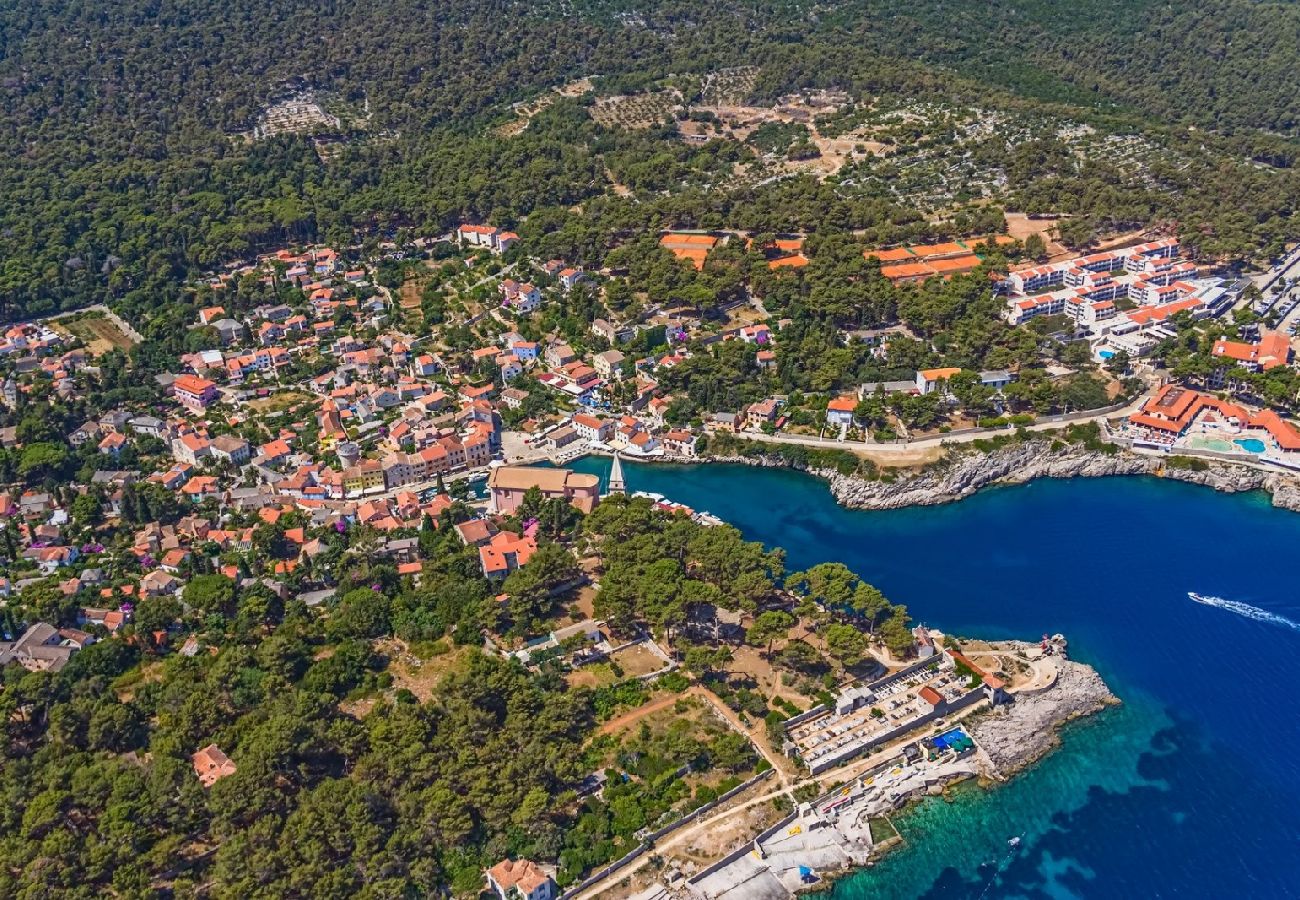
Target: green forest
[125,169]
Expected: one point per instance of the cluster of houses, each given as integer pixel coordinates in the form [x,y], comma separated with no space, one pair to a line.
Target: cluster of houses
[30,355]
[28,339]
[487,236]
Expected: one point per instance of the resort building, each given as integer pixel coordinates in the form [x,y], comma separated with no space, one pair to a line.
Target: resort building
[1273,350]
[864,715]
[1180,416]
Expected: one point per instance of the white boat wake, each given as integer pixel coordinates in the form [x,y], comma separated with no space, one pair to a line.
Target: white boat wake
[1245,609]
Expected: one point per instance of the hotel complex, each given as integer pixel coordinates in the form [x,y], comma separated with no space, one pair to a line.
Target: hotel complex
[1179,417]
[1150,279]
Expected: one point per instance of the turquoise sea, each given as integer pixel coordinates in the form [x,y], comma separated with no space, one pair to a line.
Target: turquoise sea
[1191,789]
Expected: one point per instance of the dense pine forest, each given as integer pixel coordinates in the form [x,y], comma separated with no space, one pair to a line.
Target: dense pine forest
[124,170]
[388,741]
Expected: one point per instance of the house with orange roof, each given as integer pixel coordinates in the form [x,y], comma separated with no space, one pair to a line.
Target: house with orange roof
[201,487]
[211,765]
[504,553]
[839,411]
[520,880]
[191,448]
[211,314]
[930,380]
[195,393]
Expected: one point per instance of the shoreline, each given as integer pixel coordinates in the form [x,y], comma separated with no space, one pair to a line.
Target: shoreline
[837,827]
[966,470]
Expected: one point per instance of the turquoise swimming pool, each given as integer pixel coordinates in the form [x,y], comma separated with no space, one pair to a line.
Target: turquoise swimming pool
[1250,445]
[1106,354]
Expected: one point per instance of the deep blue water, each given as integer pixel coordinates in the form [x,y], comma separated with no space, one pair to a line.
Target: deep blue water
[1190,789]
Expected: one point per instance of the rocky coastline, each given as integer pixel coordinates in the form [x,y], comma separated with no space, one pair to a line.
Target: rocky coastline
[967,469]
[1021,733]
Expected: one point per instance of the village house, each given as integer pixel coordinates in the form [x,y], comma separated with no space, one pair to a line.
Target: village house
[231,449]
[520,880]
[562,437]
[191,448]
[930,380]
[568,278]
[680,443]
[504,553]
[604,329]
[757,414]
[41,648]
[559,355]
[211,765]
[590,428]
[524,350]
[513,397]
[195,394]
[839,412]
[522,298]
[608,364]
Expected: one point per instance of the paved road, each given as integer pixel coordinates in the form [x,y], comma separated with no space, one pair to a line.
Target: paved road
[1045,424]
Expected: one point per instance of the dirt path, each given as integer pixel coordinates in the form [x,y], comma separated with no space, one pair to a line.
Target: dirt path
[631,717]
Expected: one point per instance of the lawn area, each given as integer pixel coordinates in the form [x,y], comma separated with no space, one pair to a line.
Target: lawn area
[96,330]
[408,295]
[685,716]
[596,675]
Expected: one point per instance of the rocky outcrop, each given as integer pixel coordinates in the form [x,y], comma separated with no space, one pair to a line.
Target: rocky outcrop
[1022,732]
[965,471]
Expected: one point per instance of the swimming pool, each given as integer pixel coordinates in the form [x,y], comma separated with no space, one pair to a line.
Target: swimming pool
[1250,445]
[1106,354]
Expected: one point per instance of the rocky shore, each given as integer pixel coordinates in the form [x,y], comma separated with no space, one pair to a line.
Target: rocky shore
[1020,733]
[966,469]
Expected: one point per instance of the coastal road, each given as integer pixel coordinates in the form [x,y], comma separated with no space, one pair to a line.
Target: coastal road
[1047,424]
